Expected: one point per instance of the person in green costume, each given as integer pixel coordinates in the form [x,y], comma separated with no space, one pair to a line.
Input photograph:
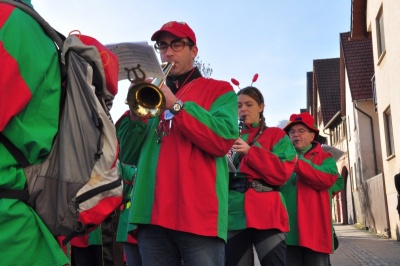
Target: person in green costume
[29,110]
[126,233]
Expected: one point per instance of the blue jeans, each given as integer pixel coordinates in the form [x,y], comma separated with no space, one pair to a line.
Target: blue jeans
[161,246]
[132,254]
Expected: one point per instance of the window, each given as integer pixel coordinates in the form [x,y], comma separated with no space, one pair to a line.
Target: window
[348,121]
[355,116]
[336,135]
[319,116]
[356,176]
[387,116]
[374,93]
[380,34]
[351,179]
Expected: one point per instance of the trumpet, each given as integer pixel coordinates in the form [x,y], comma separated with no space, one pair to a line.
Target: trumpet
[146,99]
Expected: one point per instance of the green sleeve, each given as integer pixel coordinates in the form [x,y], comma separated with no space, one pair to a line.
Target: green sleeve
[131,135]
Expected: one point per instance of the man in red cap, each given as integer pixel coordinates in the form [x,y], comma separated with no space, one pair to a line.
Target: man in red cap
[180,197]
[308,196]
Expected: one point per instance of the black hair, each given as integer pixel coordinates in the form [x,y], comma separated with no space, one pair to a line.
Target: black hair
[256,94]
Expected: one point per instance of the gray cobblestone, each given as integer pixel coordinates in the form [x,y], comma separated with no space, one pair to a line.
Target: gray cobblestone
[359,247]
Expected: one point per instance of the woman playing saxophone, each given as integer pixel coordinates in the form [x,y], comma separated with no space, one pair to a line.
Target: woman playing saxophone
[264,158]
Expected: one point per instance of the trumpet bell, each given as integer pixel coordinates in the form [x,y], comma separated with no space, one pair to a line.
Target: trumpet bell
[145,100]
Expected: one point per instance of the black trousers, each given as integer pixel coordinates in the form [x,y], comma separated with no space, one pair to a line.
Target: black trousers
[270,246]
[301,256]
[110,253]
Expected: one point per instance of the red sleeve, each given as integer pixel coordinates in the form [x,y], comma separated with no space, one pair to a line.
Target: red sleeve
[14,92]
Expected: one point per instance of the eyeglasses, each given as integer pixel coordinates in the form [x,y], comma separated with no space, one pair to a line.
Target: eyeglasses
[300,131]
[176,46]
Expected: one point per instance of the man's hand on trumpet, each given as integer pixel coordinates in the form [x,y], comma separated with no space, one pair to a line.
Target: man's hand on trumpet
[170,98]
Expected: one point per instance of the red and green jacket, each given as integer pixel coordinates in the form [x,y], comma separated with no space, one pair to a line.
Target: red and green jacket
[127,166]
[272,159]
[29,109]
[182,180]
[124,232]
[308,197]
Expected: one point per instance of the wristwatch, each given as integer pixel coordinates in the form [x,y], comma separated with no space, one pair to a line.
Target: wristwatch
[176,107]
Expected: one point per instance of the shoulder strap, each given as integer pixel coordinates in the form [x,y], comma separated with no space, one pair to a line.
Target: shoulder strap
[18,155]
[57,37]
[21,159]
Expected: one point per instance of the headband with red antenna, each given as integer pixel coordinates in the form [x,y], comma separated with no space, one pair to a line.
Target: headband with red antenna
[235,82]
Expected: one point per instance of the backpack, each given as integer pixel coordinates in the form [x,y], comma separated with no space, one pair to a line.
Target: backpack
[78,185]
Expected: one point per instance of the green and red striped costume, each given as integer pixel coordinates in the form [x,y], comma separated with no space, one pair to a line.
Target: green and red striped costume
[308,197]
[182,182]
[29,110]
[272,159]
[128,159]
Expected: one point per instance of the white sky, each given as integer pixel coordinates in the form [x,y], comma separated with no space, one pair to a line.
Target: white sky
[276,39]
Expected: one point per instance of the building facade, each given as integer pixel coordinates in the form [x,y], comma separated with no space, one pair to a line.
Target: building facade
[382,23]
[354,99]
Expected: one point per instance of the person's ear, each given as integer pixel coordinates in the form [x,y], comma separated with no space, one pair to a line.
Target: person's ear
[194,51]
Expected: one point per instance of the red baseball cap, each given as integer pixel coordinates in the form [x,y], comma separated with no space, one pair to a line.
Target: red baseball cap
[179,29]
[305,119]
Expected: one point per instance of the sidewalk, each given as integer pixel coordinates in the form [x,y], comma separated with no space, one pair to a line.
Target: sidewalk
[359,247]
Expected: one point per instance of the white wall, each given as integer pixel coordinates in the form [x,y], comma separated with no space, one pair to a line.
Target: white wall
[387,76]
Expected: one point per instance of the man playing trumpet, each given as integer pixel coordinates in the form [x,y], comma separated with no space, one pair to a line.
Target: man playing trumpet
[179,203]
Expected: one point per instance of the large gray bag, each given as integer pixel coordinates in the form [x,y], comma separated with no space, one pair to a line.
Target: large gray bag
[78,185]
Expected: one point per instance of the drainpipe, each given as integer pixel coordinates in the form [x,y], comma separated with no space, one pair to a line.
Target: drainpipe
[350,174]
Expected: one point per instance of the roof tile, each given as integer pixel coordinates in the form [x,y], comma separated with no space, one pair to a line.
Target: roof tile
[359,64]
[327,79]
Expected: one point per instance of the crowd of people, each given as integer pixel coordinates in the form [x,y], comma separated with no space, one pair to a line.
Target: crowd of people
[182,204]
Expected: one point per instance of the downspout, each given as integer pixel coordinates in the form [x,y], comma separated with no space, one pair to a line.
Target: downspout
[372,134]
[350,174]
